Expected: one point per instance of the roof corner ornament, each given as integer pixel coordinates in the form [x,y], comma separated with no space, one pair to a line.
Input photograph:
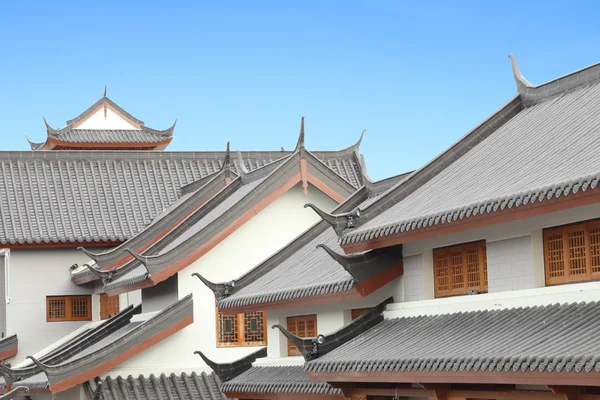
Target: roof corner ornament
[367,181]
[45,368]
[49,129]
[242,171]
[88,253]
[308,347]
[7,373]
[339,222]
[142,259]
[357,144]
[169,132]
[228,371]
[221,290]
[300,145]
[522,83]
[341,259]
[105,276]
[14,392]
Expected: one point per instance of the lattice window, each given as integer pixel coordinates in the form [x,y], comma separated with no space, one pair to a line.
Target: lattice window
[458,269]
[357,312]
[245,329]
[304,326]
[572,253]
[109,306]
[68,308]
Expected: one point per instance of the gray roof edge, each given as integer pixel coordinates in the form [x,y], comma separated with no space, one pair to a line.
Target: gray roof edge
[336,179]
[565,188]
[420,176]
[8,343]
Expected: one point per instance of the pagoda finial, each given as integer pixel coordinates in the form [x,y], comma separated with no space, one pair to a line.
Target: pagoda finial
[300,144]
[522,83]
[105,90]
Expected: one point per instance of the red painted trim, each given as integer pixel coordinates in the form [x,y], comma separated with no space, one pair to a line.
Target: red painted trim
[86,375]
[9,353]
[319,184]
[507,215]
[281,396]
[376,282]
[101,105]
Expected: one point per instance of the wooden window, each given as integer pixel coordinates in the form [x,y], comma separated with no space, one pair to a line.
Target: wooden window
[357,312]
[245,329]
[68,308]
[109,306]
[304,326]
[572,253]
[458,269]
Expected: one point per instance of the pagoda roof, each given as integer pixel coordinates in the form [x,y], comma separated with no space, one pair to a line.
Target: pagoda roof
[537,151]
[106,197]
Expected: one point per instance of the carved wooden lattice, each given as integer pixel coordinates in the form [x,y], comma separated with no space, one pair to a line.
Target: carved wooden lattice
[68,308]
[461,268]
[241,329]
[572,253]
[304,326]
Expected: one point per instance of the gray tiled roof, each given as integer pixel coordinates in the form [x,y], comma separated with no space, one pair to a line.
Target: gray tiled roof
[95,196]
[550,148]
[142,135]
[540,338]
[315,272]
[173,387]
[277,379]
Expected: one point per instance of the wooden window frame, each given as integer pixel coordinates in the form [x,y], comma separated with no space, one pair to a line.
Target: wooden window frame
[241,331]
[292,349]
[69,308]
[591,248]
[357,312]
[109,306]
[438,255]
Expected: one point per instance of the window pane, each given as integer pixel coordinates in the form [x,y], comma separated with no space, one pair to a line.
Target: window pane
[458,269]
[577,252]
[227,329]
[57,308]
[80,307]
[555,255]
[254,331]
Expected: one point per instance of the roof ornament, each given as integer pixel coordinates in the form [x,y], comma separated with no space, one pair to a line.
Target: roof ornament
[105,276]
[300,144]
[45,368]
[339,222]
[51,131]
[312,348]
[105,90]
[242,171]
[226,167]
[367,181]
[522,83]
[221,290]
[14,392]
[228,371]
[142,259]
[88,253]
[7,373]
[361,266]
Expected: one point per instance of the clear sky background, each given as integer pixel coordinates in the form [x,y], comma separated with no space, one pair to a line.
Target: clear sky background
[416,75]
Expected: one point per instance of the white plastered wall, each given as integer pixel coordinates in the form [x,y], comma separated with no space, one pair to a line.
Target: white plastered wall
[112,121]
[263,235]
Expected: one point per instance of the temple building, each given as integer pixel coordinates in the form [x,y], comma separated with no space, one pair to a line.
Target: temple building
[293,275]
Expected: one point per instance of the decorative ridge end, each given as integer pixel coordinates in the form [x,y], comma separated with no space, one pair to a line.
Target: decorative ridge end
[98,273]
[140,258]
[220,290]
[228,371]
[296,340]
[213,365]
[367,180]
[242,167]
[88,253]
[519,78]
[357,144]
[49,129]
[300,144]
[341,259]
[169,132]
[338,222]
[227,163]
[105,87]
[14,392]
[45,368]
[7,373]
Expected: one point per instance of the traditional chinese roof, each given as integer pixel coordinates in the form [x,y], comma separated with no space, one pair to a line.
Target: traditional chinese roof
[98,347]
[208,223]
[194,386]
[317,264]
[546,343]
[538,148]
[100,197]
[74,136]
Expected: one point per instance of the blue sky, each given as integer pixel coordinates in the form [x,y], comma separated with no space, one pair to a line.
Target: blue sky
[416,75]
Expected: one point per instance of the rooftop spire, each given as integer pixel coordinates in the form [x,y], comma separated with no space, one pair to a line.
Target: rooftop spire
[300,144]
[104,90]
[522,83]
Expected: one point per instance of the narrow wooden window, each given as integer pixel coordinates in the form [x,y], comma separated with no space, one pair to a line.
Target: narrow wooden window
[304,326]
[109,306]
[357,312]
[244,329]
[68,308]
[458,269]
[572,253]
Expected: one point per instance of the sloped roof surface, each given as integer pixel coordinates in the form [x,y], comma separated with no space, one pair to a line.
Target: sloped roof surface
[279,379]
[174,387]
[542,148]
[143,135]
[92,196]
[540,338]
